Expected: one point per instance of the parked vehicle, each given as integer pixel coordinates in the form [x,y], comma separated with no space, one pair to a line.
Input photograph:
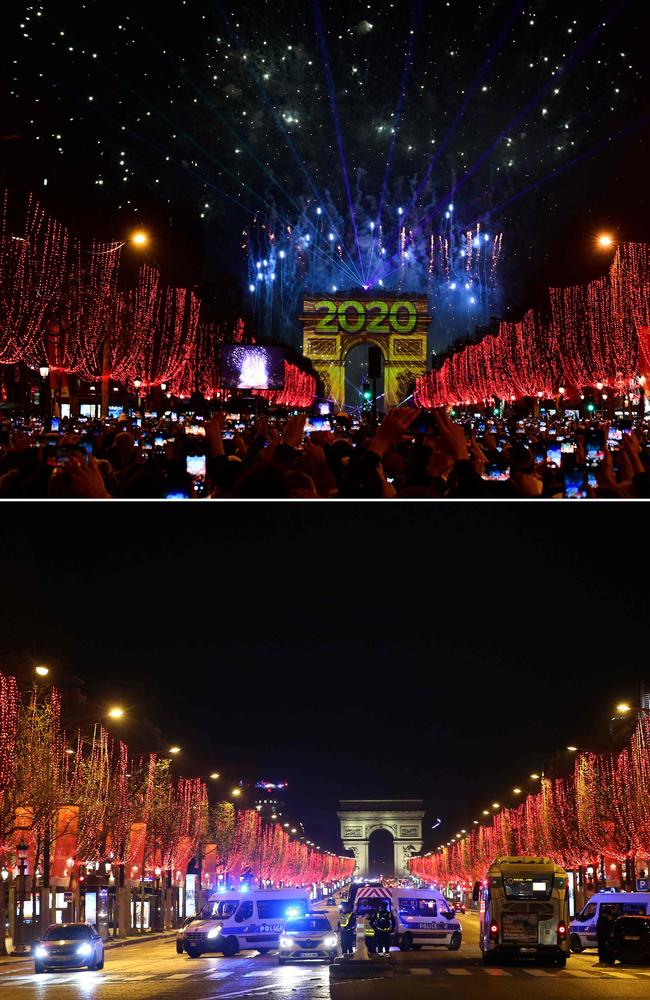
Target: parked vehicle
[422,916]
[582,930]
[236,920]
[307,938]
[631,939]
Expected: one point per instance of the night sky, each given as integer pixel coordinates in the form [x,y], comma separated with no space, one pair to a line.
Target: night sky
[442,653]
[196,118]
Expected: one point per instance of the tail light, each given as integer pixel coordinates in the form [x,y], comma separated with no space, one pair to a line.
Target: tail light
[494,931]
[561,932]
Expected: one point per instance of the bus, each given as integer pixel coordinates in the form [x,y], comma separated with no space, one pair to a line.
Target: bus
[524,911]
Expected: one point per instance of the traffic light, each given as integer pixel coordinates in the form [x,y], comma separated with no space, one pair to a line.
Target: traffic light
[367,394]
[590,407]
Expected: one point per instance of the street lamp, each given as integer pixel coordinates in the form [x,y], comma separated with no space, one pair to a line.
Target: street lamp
[20,948]
[174,750]
[116,712]
[41,670]
[215,775]
[605,241]
[44,372]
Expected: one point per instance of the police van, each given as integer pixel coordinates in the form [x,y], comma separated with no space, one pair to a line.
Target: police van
[232,921]
[582,930]
[422,916]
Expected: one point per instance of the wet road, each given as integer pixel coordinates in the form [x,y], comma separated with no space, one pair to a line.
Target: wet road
[153,969]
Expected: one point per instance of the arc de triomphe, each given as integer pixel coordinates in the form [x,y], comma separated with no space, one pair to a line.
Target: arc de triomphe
[401,817]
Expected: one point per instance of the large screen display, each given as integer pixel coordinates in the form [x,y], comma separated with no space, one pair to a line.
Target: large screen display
[381,315]
[252,366]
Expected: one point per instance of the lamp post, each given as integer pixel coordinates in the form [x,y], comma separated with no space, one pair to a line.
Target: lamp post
[20,948]
[45,396]
[137,382]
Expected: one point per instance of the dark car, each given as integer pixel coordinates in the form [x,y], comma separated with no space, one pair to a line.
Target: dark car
[631,939]
[69,946]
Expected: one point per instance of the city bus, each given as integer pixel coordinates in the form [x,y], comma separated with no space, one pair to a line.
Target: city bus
[524,911]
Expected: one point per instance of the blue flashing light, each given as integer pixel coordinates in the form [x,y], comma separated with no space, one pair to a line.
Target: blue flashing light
[244,887]
[292,911]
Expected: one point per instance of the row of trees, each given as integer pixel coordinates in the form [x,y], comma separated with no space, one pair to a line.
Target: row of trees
[602,809]
[70,803]
[589,335]
[68,308]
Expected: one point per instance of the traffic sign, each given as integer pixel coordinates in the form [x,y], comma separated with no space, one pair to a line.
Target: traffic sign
[642,885]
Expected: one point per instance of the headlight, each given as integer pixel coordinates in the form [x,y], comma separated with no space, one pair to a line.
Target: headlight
[286,942]
[214,932]
[84,949]
[331,941]
[40,952]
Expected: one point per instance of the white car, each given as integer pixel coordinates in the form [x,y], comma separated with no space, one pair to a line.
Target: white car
[308,938]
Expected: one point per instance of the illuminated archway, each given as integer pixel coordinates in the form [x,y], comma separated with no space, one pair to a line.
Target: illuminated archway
[402,818]
[395,323]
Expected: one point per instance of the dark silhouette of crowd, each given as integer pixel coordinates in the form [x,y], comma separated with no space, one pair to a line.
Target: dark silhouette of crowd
[411,454]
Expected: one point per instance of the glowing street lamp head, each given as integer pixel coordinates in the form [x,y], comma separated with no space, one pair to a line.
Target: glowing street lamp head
[572,749]
[174,750]
[42,670]
[139,238]
[215,775]
[116,713]
[605,241]
[236,792]
[623,707]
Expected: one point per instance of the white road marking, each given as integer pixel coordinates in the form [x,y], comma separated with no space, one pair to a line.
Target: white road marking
[497,972]
[458,972]
[537,972]
[181,975]
[422,972]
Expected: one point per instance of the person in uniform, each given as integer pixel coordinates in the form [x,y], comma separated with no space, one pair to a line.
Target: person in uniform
[369,933]
[384,924]
[347,929]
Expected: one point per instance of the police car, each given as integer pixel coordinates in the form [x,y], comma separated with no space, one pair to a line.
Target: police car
[582,930]
[232,921]
[422,916]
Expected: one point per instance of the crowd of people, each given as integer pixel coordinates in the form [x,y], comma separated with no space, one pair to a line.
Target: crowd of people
[411,454]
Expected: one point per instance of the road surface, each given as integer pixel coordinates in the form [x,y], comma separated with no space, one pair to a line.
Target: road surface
[151,970]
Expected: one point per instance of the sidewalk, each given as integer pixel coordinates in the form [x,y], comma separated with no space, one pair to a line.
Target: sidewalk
[108,945]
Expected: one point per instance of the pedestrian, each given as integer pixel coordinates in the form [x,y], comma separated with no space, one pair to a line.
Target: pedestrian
[384,924]
[347,929]
[369,933]
[604,930]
